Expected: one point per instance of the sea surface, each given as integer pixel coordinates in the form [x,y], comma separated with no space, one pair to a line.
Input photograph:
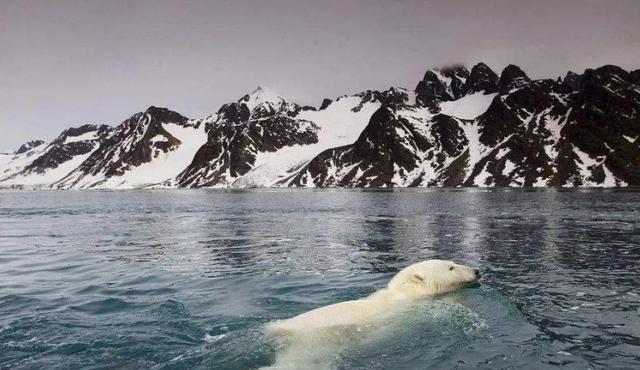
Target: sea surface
[186,279]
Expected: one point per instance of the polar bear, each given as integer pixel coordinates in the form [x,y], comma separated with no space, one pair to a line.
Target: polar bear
[315,329]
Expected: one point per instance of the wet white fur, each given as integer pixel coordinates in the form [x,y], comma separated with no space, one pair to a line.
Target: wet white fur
[316,330]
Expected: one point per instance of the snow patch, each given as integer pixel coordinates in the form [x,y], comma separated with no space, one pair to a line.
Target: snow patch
[261,96]
[10,164]
[338,126]
[50,175]
[508,168]
[91,135]
[164,166]
[159,139]
[467,107]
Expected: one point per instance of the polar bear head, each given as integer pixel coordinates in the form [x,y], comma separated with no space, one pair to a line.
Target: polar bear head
[431,277]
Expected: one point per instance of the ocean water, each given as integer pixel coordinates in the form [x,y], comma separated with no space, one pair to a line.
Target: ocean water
[186,279]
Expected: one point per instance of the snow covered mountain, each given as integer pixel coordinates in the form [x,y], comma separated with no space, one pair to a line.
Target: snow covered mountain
[580,131]
[261,138]
[60,157]
[146,149]
[260,122]
[13,163]
[458,127]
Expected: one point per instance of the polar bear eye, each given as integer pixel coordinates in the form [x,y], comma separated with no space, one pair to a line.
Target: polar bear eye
[451,268]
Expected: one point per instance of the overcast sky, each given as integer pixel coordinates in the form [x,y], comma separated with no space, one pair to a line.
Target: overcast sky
[67,63]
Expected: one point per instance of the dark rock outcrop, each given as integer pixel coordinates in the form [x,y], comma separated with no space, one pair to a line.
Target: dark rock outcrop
[512,77]
[72,142]
[482,79]
[28,146]
[136,141]
[440,85]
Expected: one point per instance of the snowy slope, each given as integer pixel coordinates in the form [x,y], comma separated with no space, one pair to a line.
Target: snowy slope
[165,165]
[262,138]
[13,163]
[338,125]
[60,157]
[48,177]
[467,107]
[149,147]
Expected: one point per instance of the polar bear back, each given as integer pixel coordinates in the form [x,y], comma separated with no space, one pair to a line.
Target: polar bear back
[343,314]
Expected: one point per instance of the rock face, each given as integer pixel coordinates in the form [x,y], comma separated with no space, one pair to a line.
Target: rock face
[582,131]
[257,123]
[453,83]
[512,77]
[12,163]
[137,141]
[28,146]
[440,85]
[61,156]
[458,128]
[482,79]
[71,143]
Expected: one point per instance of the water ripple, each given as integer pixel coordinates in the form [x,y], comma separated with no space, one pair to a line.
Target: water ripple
[185,279]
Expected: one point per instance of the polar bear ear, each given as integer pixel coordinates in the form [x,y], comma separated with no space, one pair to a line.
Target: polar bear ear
[417,278]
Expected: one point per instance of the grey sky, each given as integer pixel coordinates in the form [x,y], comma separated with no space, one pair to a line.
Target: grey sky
[66,63]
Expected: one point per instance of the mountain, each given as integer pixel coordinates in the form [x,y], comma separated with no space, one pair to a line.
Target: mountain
[71,148]
[13,163]
[28,146]
[458,127]
[259,139]
[147,148]
[260,122]
[529,133]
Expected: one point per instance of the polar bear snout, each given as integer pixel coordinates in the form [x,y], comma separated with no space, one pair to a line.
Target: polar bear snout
[476,273]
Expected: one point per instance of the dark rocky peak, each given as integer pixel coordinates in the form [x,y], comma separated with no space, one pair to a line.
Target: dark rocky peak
[432,89]
[137,140]
[610,69]
[143,126]
[325,103]
[234,112]
[458,76]
[454,70]
[392,96]
[608,95]
[482,78]
[381,130]
[634,77]
[28,146]
[165,115]
[609,76]
[263,102]
[572,81]
[441,84]
[70,143]
[80,133]
[532,98]
[511,78]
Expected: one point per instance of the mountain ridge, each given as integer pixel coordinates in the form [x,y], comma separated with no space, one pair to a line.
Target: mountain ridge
[458,127]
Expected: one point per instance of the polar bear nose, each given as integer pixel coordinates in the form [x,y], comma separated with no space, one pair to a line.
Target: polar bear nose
[476,272]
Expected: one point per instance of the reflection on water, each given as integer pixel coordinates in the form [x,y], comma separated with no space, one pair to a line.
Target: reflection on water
[185,279]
